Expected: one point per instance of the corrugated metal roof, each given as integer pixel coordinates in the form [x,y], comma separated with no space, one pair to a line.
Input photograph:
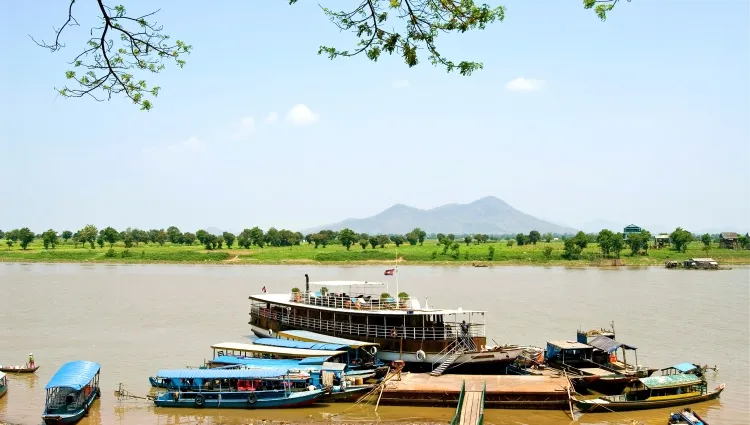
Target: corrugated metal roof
[300,335]
[605,344]
[669,381]
[569,345]
[684,367]
[221,373]
[288,364]
[307,345]
[267,349]
[75,375]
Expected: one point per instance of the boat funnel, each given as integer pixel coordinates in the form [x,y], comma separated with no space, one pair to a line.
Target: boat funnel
[307,283]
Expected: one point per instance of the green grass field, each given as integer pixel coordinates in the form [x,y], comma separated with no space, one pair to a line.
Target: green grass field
[429,253]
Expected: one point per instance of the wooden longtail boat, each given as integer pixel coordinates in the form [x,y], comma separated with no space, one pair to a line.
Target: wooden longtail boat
[686,416]
[652,393]
[18,369]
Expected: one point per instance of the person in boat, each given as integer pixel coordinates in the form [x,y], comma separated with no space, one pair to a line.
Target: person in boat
[31,360]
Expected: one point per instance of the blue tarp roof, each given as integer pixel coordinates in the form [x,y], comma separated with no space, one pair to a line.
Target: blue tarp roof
[313,360]
[312,336]
[221,373]
[74,375]
[288,364]
[684,367]
[308,345]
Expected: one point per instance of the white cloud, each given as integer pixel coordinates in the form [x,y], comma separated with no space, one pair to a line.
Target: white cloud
[525,84]
[244,129]
[400,84]
[300,114]
[272,117]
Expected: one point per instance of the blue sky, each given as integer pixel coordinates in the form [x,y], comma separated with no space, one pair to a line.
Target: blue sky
[643,118]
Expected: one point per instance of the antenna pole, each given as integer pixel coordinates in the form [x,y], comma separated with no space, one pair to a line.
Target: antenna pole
[396,271]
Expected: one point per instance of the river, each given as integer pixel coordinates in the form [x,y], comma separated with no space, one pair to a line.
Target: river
[136,319]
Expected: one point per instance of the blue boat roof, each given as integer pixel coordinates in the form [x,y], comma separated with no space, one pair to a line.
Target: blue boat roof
[312,336]
[308,345]
[684,367]
[221,373]
[75,375]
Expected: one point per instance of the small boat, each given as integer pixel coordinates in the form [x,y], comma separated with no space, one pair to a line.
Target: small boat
[605,352]
[686,417]
[3,384]
[236,388]
[71,392]
[18,369]
[652,393]
[575,358]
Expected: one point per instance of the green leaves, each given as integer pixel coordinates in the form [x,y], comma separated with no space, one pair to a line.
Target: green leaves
[601,7]
[421,22]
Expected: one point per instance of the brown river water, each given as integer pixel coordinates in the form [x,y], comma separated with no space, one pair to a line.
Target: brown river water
[136,319]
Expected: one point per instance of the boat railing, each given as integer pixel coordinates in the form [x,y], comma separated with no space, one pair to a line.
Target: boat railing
[445,331]
[354,301]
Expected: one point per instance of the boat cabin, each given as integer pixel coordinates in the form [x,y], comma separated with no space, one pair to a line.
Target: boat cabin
[71,391]
[570,353]
[361,353]
[236,349]
[656,388]
[365,311]
[685,367]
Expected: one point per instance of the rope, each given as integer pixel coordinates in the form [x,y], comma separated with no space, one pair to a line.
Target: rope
[376,389]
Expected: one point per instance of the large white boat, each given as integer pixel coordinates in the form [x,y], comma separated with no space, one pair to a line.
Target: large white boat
[427,339]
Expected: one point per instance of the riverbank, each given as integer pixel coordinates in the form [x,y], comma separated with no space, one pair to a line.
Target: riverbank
[486,254]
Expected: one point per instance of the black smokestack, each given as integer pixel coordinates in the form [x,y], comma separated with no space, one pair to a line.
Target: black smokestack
[307,283]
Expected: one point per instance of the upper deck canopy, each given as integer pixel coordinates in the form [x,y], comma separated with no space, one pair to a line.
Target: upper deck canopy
[282,351]
[608,344]
[346,283]
[222,373]
[683,367]
[310,363]
[75,375]
[284,299]
[300,335]
[670,381]
[307,344]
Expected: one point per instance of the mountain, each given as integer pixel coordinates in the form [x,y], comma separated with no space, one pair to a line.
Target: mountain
[488,215]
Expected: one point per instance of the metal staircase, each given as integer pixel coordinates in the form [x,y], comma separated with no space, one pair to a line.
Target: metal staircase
[451,353]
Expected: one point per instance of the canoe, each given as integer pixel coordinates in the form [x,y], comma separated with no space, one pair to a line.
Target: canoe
[686,417]
[18,369]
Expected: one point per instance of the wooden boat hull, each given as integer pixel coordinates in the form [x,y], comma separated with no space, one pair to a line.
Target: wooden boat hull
[16,369]
[686,417]
[591,407]
[240,401]
[3,391]
[350,394]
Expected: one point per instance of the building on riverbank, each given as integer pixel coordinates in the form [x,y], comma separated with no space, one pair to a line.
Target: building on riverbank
[729,240]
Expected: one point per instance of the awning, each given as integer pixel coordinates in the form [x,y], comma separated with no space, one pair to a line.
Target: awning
[670,381]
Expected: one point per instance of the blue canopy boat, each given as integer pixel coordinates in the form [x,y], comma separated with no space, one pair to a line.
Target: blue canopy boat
[3,384]
[359,353]
[235,388]
[71,392]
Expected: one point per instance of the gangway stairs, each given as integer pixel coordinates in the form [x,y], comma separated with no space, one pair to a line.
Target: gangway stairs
[470,410]
[452,352]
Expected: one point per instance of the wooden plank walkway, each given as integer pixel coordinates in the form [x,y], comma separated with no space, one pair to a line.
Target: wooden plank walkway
[471,408]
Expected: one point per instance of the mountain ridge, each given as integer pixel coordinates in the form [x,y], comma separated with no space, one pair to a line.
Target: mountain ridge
[489,215]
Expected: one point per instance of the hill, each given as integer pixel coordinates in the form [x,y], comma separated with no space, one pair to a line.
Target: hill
[488,215]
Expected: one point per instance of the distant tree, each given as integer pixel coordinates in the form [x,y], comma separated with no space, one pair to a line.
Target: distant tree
[100,241]
[363,243]
[618,243]
[383,240]
[153,234]
[174,235]
[308,238]
[581,239]
[638,241]
[706,239]
[680,239]
[244,239]
[160,237]
[412,238]
[219,242]
[139,236]
[14,235]
[440,237]
[9,242]
[455,250]
[420,234]
[320,239]
[188,238]
[49,238]
[25,237]
[398,240]
[572,250]
[605,241]
[2,234]
[744,241]
[547,252]
[257,236]
[88,235]
[547,237]
[128,239]
[347,237]
[298,238]
[373,241]
[201,235]
[491,253]
[534,237]
[467,239]
[210,241]
[510,243]
[451,237]
[228,239]
[272,237]
[66,234]
[521,239]
[110,236]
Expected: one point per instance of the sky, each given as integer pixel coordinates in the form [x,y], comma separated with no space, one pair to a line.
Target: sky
[643,118]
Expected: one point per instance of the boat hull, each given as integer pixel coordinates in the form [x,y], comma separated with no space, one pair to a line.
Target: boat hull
[16,369]
[70,418]
[590,407]
[3,391]
[240,401]
[350,394]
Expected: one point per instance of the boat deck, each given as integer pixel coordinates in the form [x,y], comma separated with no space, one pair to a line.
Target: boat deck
[596,371]
[503,391]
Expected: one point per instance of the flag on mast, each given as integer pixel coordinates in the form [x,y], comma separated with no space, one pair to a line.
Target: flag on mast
[264,289]
[390,272]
